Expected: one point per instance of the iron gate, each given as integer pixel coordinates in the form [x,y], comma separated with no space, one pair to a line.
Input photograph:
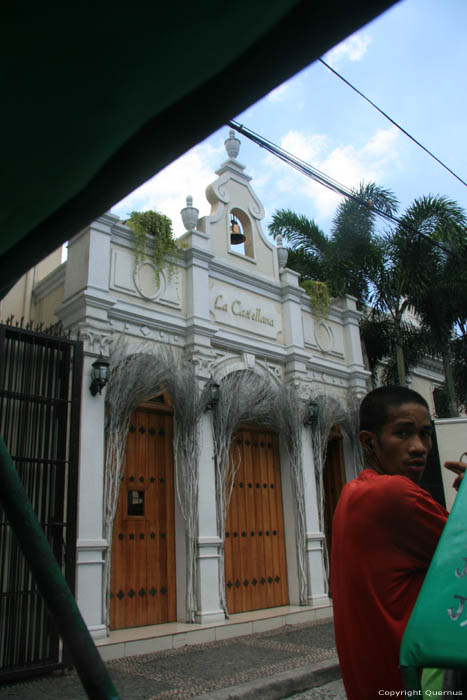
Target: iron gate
[40,384]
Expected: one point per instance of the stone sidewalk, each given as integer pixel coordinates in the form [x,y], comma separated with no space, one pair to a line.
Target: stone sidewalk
[265,666]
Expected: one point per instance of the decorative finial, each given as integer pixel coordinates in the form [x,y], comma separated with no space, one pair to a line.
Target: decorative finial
[190,215]
[232,145]
[282,253]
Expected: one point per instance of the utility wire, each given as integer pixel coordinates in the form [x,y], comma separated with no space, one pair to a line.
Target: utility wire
[330,183]
[412,138]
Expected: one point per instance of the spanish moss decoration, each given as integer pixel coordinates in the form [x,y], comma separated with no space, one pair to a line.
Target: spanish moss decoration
[288,416]
[138,374]
[188,403]
[330,412]
[245,397]
[351,426]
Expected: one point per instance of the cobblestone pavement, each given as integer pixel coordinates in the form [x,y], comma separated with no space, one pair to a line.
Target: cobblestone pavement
[204,669]
[332,691]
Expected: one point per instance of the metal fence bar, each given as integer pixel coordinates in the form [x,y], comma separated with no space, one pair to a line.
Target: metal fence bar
[40,391]
[51,583]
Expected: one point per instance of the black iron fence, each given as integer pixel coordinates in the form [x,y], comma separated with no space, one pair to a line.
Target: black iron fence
[40,384]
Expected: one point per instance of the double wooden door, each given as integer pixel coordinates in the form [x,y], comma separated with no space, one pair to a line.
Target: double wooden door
[143,547]
[255,564]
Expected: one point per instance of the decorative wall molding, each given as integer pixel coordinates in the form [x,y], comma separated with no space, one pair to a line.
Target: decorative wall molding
[49,283]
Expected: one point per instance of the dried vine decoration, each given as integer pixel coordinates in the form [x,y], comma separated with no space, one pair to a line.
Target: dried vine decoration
[330,412]
[288,417]
[138,374]
[245,397]
[188,403]
[351,426]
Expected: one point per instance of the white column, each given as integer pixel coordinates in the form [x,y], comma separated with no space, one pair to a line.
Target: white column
[209,609]
[353,346]
[316,574]
[86,305]
[91,547]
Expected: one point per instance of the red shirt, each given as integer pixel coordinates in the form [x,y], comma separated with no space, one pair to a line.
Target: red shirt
[385,531]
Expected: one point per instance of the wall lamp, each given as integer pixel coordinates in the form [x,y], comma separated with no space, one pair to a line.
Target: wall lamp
[311,414]
[100,373]
[214,392]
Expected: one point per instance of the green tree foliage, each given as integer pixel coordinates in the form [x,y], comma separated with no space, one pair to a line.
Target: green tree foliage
[391,273]
[438,291]
[347,259]
[385,345]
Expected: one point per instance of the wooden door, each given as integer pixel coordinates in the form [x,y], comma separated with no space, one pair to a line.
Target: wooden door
[143,545]
[333,483]
[255,564]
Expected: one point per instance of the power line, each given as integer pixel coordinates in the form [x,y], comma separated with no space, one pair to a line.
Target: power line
[344,80]
[330,183]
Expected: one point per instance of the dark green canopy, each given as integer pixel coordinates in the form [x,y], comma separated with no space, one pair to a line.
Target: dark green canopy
[436,633]
[97,98]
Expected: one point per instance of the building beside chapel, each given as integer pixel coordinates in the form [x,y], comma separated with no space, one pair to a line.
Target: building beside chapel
[156,553]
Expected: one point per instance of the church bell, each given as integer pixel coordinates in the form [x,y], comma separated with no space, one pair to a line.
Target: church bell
[236,235]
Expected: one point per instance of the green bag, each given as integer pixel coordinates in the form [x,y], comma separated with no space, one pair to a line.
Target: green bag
[436,634]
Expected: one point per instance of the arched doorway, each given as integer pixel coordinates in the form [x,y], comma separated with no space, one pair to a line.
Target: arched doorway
[255,564]
[333,481]
[143,584]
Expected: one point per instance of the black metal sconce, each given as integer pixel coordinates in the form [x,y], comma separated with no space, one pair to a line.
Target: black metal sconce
[214,392]
[312,413]
[100,374]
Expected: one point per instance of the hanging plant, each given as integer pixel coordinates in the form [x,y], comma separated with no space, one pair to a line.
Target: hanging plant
[320,298]
[159,227]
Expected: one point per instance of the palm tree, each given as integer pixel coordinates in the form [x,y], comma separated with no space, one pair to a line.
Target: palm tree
[357,261]
[346,260]
[438,283]
[391,274]
[389,306]
[356,251]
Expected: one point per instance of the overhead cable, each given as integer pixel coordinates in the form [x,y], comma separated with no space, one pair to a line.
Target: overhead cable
[330,183]
[412,138]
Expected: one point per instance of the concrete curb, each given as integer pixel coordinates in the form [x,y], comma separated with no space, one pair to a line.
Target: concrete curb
[279,686]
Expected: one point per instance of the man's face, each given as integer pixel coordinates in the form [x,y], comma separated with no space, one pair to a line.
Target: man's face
[403,444]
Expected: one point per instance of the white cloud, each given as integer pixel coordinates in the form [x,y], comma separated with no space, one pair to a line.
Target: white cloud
[277,184]
[348,165]
[167,191]
[278,94]
[381,144]
[308,148]
[353,49]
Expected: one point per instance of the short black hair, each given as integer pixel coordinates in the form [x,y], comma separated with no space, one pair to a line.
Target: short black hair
[375,405]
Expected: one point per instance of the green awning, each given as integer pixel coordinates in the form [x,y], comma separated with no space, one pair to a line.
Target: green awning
[436,634]
[97,98]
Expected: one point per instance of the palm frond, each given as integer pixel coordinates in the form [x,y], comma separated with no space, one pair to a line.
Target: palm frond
[299,231]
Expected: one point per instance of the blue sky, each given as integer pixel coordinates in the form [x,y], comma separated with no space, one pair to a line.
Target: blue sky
[411,61]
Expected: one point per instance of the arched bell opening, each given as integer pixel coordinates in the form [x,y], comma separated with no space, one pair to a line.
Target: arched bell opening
[240,233]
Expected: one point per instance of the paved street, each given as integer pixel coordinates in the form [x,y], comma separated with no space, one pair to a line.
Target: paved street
[332,691]
[264,666]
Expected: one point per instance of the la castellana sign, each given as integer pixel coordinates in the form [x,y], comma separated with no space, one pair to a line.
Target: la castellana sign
[258,316]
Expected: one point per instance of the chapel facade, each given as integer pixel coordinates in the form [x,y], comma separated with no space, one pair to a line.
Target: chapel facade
[178,536]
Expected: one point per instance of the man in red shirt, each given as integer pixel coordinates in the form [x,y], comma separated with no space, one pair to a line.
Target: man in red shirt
[385,531]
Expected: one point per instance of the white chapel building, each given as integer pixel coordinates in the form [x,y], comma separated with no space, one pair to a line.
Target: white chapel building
[167,543]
